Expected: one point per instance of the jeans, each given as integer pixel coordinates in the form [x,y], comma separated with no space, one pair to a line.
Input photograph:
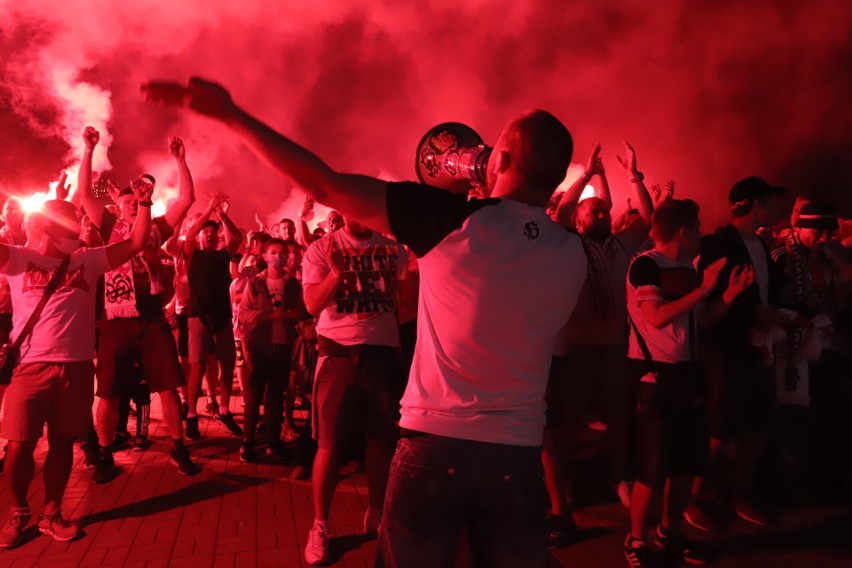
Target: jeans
[438,486]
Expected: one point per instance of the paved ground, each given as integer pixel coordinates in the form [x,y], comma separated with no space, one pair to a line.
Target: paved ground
[239,515]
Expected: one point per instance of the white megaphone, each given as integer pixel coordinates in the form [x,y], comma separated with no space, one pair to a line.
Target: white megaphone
[452,156]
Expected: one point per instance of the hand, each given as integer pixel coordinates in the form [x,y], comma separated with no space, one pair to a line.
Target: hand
[214,199]
[334,260]
[142,189]
[112,188]
[711,274]
[594,162]
[258,221]
[204,97]
[176,148]
[628,163]
[224,207]
[63,189]
[741,278]
[91,137]
[306,212]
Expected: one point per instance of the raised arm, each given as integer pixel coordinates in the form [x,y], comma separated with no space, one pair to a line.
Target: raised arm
[303,233]
[635,178]
[568,202]
[186,188]
[85,193]
[233,234]
[121,252]
[190,243]
[357,196]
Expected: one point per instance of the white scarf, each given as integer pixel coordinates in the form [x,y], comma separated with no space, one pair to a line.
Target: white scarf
[119,288]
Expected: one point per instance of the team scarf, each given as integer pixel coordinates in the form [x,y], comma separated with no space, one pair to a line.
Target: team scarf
[119,288]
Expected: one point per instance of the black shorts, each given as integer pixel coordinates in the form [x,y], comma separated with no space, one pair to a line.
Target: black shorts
[357,387]
[672,431]
[741,393]
[125,341]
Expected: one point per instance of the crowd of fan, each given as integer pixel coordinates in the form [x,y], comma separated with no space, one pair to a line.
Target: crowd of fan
[704,359]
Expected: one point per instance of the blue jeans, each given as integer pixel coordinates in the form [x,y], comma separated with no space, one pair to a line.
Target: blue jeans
[438,486]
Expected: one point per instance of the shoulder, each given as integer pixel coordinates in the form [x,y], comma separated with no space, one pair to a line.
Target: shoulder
[644,271]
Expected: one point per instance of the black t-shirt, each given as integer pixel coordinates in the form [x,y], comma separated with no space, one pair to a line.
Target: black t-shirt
[209,279]
[149,306]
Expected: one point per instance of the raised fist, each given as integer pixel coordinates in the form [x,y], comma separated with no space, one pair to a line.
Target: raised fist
[176,147]
[91,137]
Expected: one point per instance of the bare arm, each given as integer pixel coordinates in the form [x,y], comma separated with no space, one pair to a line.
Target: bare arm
[119,253]
[85,193]
[186,188]
[359,197]
[190,243]
[233,234]
[569,200]
[317,296]
[643,199]
[741,278]
[660,314]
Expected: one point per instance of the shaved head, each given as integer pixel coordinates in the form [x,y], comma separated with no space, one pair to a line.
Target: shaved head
[540,148]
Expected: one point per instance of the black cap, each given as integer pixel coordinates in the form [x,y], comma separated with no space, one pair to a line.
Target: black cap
[817,215]
[751,189]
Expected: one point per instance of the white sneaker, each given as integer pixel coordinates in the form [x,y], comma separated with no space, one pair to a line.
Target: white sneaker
[317,549]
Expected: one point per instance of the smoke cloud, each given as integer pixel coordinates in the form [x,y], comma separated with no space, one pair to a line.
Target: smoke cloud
[707,94]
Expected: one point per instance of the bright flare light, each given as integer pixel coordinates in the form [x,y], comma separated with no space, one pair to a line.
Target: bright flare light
[588,192]
[34,202]
[158,209]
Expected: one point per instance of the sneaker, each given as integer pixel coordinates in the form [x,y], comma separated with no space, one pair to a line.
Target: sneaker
[300,473]
[230,423]
[212,407]
[57,527]
[679,547]
[317,551]
[91,453]
[140,443]
[120,440]
[372,521]
[289,434]
[698,515]
[637,554]
[192,428]
[276,450]
[10,535]
[748,510]
[247,453]
[184,463]
[561,530]
[104,468]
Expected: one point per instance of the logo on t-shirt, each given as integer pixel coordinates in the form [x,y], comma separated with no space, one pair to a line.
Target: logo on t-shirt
[367,283]
[35,278]
[531,230]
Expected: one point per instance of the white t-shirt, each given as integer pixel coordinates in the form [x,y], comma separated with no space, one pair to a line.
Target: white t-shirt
[363,309]
[65,332]
[653,276]
[498,280]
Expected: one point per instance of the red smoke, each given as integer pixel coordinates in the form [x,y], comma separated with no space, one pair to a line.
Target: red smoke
[706,95]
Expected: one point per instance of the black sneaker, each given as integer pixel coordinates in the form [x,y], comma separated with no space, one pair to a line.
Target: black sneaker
[140,443]
[184,463]
[637,554]
[212,407]
[276,450]
[91,454]
[230,423]
[561,531]
[247,453]
[678,547]
[192,428]
[104,469]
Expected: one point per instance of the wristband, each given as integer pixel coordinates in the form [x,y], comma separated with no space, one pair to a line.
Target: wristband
[146,203]
[639,177]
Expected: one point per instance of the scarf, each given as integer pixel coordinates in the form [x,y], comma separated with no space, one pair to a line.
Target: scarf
[119,287]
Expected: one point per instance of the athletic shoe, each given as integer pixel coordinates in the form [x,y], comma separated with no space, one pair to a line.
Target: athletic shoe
[698,515]
[317,550]
[751,512]
[192,428]
[91,453]
[230,423]
[10,535]
[212,407]
[247,453]
[300,473]
[289,434]
[104,469]
[140,443]
[560,531]
[276,450]
[57,527]
[184,463]
[679,547]
[372,521]
[637,554]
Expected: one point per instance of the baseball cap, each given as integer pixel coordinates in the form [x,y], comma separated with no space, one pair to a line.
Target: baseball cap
[751,189]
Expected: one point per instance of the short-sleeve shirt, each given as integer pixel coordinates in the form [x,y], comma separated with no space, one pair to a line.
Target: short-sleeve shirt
[149,306]
[654,277]
[209,277]
[65,331]
[498,280]
[363,308]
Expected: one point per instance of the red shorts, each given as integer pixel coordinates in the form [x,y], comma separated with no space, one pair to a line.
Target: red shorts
[57,394]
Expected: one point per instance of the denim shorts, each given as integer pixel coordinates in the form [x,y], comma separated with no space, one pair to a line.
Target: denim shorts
[439,486]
